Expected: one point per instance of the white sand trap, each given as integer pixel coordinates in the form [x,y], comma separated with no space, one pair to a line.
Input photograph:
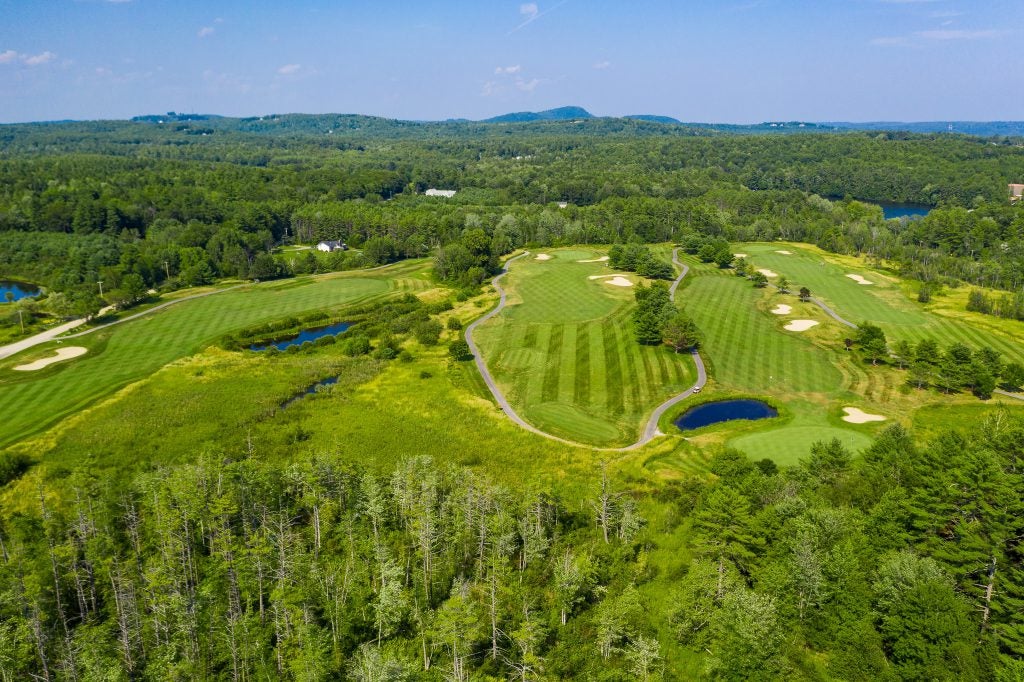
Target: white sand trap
[767,273]
[859,280]
[800,325]
[543,256]
[785,253]
[594,260]
[619,282]
[604,276]
[856,416]
[62,354]
[739,255]
[782,309]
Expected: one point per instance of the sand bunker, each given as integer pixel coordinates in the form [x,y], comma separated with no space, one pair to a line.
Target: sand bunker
[785,253]
[739,255]
[767,273]
[543,256]
[604,276]
[782,309]
[800,325]
[619,282]
[594,260]
[859,280]
[856,416]
[62,354]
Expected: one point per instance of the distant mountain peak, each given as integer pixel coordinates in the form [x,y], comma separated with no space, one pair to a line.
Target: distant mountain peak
[559,114]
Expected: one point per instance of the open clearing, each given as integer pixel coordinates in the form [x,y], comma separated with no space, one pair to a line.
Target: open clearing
[61,354]
[855,415]
[564,355]
[136,349]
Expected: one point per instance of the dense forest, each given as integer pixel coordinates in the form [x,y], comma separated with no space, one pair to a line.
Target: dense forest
[904,563]
[182,202]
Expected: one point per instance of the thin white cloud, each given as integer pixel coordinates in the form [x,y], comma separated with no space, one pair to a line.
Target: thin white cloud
[600,66]
[8,56]
[490,88]
[507,70]
[528,85]
[532,13]
[206,31]
[960,34]
[289,69]
[42,58]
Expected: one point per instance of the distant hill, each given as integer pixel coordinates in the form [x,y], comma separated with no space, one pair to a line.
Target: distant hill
[559,114]
[653,118]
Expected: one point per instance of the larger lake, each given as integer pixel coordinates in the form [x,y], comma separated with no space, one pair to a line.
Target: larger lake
[19,289]
[903,210]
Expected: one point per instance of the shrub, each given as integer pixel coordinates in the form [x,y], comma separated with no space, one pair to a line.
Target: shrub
[427,332]
[357,345]
[454,324]
[459,350]
[405,356]
[12,466]
[424,374]
[385,353]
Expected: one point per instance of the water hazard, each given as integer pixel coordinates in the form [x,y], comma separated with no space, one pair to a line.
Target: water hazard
[19,290]
[304,336]
[723,411]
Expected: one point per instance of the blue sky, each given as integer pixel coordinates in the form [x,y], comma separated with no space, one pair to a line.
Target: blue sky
[733,61]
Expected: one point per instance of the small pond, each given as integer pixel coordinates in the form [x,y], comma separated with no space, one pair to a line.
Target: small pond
[19,289]
[723,411]
[305,335]
[911,211]
[329,381]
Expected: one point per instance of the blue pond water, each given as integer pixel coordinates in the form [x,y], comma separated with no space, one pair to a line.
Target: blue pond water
[723,411]
[903,210]
[306,335]
[19,289]
[330,381]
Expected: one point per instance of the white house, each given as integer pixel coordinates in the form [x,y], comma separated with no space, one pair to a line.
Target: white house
[1016,192]
[446,193]
[331,246]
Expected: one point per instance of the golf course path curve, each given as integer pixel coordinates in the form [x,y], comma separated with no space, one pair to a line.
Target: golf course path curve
[650,431]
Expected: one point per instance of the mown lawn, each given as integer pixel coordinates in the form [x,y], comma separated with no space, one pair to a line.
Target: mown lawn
[563,351]
[124,353]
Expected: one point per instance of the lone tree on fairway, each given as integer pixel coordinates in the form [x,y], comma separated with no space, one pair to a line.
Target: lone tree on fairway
[783,285]
[459,350]
[871,340]
[681,332]
[805,294]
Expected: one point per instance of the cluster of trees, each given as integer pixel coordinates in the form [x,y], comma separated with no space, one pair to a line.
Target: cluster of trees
[903,563]
[639,259]
[1006,305]
[240,569]
[656,319]
[955,368]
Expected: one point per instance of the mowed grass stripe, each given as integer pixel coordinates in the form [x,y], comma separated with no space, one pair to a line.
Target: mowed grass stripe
[613,369]
[553,369]
[581,378]
[567,364]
